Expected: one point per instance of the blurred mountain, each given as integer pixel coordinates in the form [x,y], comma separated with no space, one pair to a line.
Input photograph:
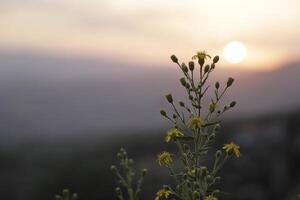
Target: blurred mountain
[42,93]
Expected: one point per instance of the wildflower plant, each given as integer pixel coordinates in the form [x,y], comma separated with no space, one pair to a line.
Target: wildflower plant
[126,177]
[66,195]
[195,125]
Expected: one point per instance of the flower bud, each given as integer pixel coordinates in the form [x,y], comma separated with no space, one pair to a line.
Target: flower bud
[218,154]
[174,59]
[206,68]
[181,103]
[187,86]
[217,85]
[169,98]
[144,172]
[213,66]
[216,59]
[211,107]
[225,108]
[211,137]
[217,179]
[191,65]
[65,194]
[217,127]
[174,116]
[203,171]
[191,97]
[75,196]
[209,178]
[118,191]
[163,112]
[113,168]
[183,81]
[184,68]
[201,61]
[196,195]
[232,104]
[119,155]
[130,161]
[230,81]
[58,197]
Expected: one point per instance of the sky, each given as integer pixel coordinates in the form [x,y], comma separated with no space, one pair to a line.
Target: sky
[144,31]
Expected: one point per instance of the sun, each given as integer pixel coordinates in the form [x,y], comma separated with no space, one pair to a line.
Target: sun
[235,52]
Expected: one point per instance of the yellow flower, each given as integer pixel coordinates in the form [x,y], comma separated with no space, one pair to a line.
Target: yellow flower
[162,194]
[173,134]
[212,106]
[195,122]
[201,55]
[164,158]
[232,148]
[192,172]
[210,197]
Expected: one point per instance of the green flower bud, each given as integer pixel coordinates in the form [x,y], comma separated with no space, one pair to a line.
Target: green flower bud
[144,172]
[211,137]
[201,61]
[206,68]
[217,85]
[113,168]
[209,178]
[184,68]
[169,98]
[181,103]
[217,127]
[187,86]
[163,112]
[183,81]
[191,65]
[196,195]
[225,108]
[230,81]
[75,196]
[217,179]
[232,104]
[65,193]
[130,161]
[218,154]
[119,155]
[118,191]
[174,59]
[174,116]
[58,197]
[213,66]
[211,107]
[216,59]
[203,171]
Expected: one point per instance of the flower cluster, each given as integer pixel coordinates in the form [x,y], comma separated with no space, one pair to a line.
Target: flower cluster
[195,125]
[125,174]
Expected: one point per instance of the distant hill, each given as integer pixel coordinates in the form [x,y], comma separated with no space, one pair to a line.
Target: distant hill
[43,93]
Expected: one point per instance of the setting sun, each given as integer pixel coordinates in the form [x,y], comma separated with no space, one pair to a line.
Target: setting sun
[235,52]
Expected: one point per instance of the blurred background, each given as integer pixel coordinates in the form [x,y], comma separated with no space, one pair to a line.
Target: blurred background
[80,79]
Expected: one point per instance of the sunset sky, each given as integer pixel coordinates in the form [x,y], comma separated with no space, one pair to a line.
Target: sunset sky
[149,31]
